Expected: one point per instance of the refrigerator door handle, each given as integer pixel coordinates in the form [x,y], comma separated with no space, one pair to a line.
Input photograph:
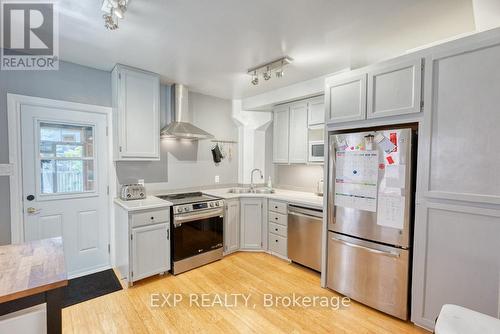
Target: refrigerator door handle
[371,250]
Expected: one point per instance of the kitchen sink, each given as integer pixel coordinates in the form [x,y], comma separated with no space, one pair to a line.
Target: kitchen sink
[248,191]
[240,190]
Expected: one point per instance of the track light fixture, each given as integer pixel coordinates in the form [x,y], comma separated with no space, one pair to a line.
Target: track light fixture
[255,79]
[267,69]
[114,10]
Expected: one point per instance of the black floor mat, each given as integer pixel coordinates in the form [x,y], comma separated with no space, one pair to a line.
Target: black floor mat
[90,286]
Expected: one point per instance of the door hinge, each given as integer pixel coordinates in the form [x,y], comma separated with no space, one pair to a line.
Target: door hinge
[132,274]
[107,190]
[119,75]
[261,244]
[421,105]
[131,237]
[120,148]
[109,248]
[107,131]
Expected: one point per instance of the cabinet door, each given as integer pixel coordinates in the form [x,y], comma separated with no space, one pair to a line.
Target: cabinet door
[138,113]
[232,226]
[395,89]
[316,111]
[280,134]
[346,98]
[298,133]
[150,250]
[251,223]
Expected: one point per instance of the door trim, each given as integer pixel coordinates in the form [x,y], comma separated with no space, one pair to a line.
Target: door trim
[14,103]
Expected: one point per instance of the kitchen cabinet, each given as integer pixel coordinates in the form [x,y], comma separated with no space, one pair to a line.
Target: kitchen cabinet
[387,89]
[457,221]
[298,133]
[136,114]
[281,134]
[251,223]
[232,226]
[150,250]
[316,111]
[395,89]
[345,97]
[142,242]
[278,224]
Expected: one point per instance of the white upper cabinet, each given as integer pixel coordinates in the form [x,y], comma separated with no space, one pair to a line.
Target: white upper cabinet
[395,90]
[316,111]
[280,134]
[136,114]
[298,133]
[346,98]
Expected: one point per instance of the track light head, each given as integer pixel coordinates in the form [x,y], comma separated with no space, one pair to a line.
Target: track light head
[255,79]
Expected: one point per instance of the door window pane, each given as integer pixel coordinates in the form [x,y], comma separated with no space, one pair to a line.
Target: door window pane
[66,155]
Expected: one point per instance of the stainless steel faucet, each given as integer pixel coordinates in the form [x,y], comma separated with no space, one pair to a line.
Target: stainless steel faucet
[252,186]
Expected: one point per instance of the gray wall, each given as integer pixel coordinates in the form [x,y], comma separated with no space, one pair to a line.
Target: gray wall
[188,164]
[71,83]
[298,177]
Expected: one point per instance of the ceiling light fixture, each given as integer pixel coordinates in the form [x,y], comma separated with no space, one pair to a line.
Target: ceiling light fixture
[267,69]
[114,10]
[255,79]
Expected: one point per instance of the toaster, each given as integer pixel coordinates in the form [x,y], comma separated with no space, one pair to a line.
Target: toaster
[131,192]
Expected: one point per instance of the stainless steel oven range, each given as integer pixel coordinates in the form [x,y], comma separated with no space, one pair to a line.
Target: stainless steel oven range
[197,230]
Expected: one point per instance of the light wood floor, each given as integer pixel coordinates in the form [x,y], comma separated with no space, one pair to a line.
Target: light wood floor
[129,311]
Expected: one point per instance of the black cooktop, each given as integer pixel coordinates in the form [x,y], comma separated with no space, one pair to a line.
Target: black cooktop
[186,198]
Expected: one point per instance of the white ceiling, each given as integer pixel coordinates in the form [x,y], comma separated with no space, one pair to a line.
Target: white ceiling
[209,44]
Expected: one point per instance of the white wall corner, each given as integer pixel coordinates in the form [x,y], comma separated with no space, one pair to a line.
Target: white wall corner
[251,139]
[486,14]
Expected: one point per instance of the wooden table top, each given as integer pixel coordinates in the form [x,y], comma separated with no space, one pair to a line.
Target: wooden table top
[31,268]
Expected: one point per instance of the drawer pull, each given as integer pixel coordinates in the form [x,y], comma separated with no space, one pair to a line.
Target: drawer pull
[275,218]
[275,207]
[371,250]
[276,229]
[276,240]
[152,218]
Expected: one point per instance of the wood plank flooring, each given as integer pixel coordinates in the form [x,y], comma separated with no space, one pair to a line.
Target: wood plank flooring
[129,310]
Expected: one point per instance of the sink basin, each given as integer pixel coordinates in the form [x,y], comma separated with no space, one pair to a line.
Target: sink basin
[248,191]
[263,191]
[239,190]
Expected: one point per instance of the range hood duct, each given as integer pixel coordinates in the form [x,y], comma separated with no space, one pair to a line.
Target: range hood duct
[181,126]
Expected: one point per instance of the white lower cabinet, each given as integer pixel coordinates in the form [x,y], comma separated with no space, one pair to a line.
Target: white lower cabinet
[232,226]
[142,242]
[278,228]
[150,250]
[251,229]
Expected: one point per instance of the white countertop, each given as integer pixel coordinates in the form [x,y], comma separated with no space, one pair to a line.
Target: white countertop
[293,197]
[151,202]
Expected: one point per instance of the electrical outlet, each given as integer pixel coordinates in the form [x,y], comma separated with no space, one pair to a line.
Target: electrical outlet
[217,179]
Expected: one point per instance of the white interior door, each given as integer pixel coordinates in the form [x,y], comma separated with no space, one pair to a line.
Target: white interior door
[65,179]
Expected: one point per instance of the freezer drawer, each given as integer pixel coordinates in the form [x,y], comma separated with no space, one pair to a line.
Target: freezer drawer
[369,273]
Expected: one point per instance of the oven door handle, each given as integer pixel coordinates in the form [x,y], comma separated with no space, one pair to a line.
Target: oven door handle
[185,218]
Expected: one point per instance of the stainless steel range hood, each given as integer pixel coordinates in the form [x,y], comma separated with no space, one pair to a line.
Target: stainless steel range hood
[181,126]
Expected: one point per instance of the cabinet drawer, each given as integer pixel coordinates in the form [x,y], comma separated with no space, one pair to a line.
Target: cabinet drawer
[278,218]
[277,244]
[150,217]
[278,229]
[279,207]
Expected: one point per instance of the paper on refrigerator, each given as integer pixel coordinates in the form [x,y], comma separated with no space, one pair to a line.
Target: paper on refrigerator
[356,177]
[391,210]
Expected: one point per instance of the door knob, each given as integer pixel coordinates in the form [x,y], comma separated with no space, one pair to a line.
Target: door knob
[31,210]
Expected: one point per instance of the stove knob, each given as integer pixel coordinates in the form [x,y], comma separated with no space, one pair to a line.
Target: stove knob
[216,203]
[179,210]
[211,205]
[186,209]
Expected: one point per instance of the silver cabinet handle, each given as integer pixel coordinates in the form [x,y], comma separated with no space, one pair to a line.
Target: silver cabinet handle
[302,215]
[371,250]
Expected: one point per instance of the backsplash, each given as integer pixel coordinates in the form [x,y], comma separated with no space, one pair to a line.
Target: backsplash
[298,177]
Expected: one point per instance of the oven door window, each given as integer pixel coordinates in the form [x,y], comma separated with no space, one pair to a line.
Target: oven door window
[197,237]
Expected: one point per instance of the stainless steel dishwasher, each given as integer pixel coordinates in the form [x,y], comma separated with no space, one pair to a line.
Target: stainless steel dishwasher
[304,236]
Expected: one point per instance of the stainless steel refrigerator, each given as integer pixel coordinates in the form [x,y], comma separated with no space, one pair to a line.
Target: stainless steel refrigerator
[370,214]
